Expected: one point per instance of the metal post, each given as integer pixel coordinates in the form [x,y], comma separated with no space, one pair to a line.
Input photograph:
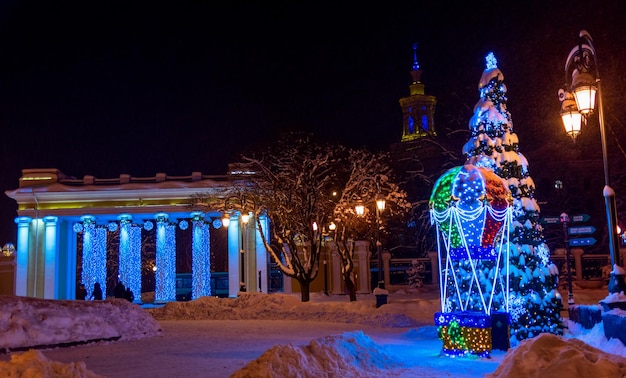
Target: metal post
[325,277]
[325,268]
[582,61]
[379,250]
[244,240]
[570,294]
[607,192]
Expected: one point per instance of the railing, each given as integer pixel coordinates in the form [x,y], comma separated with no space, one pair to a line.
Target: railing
[409,272]
[591,266]
[401,270]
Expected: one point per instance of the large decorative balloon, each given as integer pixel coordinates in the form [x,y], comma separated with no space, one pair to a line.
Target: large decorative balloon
[469,205]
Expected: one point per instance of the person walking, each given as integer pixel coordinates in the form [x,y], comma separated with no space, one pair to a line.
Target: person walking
[81,292]
[128,294]
[97,292]
[120,290]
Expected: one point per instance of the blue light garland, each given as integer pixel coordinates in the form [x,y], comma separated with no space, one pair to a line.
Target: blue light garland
[201,263]
[165,285]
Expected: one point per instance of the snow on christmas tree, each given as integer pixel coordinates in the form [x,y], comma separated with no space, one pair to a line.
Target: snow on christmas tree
[535,303]
[415,274]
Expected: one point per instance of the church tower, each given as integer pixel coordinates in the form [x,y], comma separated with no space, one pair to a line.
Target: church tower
[418,108]
[417,160]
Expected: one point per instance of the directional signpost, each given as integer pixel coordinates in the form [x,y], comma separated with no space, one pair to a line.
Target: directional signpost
[581,242]
[550,220]
[580,218]
[581,230]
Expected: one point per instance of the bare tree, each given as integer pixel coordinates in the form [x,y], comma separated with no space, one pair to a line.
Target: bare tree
[302,186]
[368,177]
[292,184]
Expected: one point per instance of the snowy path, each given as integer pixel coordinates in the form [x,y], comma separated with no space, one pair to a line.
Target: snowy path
[218,348]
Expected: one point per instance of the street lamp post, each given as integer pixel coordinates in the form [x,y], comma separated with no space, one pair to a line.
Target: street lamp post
[582,83]
[245,218]
[380,207]
[570,294]
[331,227]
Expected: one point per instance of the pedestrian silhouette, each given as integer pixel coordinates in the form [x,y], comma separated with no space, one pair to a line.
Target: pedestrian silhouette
[81,292]
[119,290]
[129,295]
[97,292]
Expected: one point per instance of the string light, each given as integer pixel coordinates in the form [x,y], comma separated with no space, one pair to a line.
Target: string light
[470,208]
[201,262]
[165,277]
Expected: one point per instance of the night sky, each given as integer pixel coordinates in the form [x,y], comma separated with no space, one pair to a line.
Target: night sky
[139,87]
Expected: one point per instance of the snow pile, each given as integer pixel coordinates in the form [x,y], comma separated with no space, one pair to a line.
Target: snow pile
[548,355]
[32,322]
[260,335]
[352,354]
[614,297]
[34,364]
[259,306]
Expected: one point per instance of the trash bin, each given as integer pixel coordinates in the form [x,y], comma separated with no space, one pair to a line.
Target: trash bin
[381,294]
[381,299]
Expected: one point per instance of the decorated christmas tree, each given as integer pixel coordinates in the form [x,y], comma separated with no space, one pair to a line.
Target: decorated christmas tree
[534,302]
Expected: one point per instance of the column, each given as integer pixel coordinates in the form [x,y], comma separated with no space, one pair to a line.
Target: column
[134,260]
[261,255]
[22,253]
[94,254]
[51,247]
[124,270]
[337,278]
[362,267]
[387,269]
[578,262]
[201,266]
[234,247]
[165,275]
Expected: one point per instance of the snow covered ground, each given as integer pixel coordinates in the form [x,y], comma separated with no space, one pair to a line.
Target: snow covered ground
[258,335]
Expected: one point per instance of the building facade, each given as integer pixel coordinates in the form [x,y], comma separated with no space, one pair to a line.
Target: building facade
[143,231]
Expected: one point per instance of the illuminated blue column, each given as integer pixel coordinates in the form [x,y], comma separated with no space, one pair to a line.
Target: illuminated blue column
[124,263]
[165,280]
[134,260]
[201,263]
[51,253]
[94,254]
[22,251]
[261,254]
[234,264]
[129,267]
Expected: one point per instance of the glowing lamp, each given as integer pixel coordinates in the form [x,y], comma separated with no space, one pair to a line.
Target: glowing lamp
[380,203]
[332,226]
[225,220]
[584,89]
[572,118]
[572,121]
[360,209]
[245,218]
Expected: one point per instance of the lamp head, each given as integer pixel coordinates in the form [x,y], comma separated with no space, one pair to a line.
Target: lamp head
[360,209]
[584,88]
[225,220]
[572,119]
[380,203]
